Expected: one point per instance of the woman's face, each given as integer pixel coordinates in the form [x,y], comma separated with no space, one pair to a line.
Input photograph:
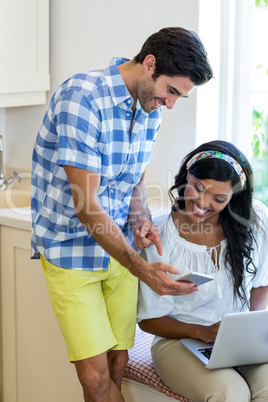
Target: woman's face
[205,199]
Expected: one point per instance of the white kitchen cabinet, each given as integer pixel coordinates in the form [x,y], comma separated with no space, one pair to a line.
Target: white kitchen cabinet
[35,360]
[24,52]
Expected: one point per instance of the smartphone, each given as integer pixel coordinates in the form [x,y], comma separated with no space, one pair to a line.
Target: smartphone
[197,278]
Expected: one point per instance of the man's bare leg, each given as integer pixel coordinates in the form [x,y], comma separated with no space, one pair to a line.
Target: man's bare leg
[117,361]
[94,376]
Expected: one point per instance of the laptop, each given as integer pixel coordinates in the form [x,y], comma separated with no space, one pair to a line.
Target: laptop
[242,339]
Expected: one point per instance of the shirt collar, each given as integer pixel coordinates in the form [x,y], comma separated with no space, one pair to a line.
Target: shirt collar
[115,82]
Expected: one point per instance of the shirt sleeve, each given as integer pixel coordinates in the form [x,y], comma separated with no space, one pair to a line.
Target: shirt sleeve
[260,254]
[77,126]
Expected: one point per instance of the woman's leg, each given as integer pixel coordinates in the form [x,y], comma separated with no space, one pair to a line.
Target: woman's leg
[256,375]
[185,374]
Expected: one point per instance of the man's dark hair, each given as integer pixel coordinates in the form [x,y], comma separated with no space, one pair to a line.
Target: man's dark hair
[178,52]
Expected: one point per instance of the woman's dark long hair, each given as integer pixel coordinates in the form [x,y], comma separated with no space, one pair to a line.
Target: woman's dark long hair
[238,218]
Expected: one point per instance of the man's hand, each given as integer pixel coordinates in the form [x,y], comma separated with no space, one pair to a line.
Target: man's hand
[146,234]
[155,275]
[111,238]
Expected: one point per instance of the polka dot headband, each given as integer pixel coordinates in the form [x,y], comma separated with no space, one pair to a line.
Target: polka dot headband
[219,155]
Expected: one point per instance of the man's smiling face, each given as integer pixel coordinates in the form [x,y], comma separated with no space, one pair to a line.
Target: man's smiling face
[164,91]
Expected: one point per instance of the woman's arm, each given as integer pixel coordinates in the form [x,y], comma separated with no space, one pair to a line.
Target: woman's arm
[259,298]
[168,327]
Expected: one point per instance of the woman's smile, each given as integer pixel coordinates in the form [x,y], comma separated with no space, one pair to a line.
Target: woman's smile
[205,199]
[199,211]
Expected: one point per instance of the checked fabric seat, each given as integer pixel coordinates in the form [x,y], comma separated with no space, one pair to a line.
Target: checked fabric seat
[140,367]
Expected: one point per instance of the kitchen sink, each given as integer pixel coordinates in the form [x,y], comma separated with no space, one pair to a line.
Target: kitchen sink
[13,198]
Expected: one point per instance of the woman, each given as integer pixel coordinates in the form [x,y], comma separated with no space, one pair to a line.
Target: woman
[214,228]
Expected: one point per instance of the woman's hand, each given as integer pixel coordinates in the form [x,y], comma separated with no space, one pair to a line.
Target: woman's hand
[171,328]
[208,333]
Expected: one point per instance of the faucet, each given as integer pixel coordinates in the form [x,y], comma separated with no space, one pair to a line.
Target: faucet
[1,160]
[4,183]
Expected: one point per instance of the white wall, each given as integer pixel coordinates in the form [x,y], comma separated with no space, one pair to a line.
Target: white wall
[86,34]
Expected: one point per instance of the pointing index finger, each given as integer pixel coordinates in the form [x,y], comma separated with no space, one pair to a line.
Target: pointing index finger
[155,238]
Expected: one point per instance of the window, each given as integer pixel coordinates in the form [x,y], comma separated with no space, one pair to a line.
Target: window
[234,106]
[259,100]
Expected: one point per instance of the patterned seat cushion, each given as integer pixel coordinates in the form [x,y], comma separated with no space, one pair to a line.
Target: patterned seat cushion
[140,366]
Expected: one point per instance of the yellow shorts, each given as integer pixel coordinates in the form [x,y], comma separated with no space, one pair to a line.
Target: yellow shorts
[96,310]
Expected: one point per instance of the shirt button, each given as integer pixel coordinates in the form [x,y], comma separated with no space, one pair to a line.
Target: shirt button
[127,114]
[129,101]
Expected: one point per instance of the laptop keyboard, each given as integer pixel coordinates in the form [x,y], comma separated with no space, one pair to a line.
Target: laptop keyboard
[206,352]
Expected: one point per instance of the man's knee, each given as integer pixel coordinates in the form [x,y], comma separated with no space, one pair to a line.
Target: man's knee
[94,380]
[93,374]
[118,359]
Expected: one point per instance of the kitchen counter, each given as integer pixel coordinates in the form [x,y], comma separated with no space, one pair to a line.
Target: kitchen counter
[29,330]
[19,218]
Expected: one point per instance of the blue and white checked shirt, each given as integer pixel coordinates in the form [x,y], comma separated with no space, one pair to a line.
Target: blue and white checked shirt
[87,126]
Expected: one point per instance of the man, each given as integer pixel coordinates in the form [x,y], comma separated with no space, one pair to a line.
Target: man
[88,200]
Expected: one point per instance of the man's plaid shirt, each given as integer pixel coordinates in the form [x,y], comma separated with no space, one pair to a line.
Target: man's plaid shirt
[87,126]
